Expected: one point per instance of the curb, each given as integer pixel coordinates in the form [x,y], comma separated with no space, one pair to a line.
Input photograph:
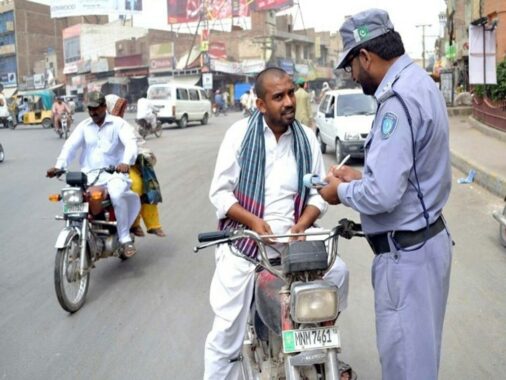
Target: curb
[487,130]
[491,181]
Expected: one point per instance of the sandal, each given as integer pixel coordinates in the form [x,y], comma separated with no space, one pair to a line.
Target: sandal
[137,231]
[157,231]
[129,249]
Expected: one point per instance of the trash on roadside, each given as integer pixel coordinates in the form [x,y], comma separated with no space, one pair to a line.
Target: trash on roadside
[469,178]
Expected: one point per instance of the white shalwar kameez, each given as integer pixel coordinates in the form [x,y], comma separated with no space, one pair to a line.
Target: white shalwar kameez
[110,144]
[233,281]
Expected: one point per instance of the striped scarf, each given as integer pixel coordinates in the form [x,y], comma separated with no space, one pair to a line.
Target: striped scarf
[250,190]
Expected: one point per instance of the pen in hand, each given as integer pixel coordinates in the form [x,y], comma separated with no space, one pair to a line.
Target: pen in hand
[345,159]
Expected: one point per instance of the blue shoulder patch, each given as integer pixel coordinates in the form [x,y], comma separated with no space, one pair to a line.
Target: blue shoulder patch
[388,125]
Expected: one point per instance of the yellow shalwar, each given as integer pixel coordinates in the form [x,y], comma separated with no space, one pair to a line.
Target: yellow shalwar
[149,212]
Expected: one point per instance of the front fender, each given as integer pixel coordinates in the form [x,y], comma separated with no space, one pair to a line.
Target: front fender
[65,237]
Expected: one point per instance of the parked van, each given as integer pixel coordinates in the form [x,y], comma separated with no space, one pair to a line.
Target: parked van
[180,103]
[343,121]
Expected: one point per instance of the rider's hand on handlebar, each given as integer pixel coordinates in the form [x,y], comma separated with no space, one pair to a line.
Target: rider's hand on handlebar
[123,168]
[261,227]
[298,229]
[51,172]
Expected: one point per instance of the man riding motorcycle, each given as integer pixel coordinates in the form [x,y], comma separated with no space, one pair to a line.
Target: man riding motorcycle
[106,140]
[146,111]
[59,107]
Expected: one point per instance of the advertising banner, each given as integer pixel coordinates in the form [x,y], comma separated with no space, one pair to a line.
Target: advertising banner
[67,8]
[265,5]
[183,11]
[217,50]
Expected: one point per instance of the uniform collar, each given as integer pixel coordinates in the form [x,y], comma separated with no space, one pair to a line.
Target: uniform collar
[392,75]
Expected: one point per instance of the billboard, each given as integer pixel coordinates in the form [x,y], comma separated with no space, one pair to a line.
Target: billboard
[68,8]
[182,11]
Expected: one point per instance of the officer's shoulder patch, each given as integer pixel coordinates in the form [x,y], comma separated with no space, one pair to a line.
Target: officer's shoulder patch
[388,125]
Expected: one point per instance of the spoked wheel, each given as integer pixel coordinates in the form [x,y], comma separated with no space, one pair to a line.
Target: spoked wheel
[70,287]
[158,129]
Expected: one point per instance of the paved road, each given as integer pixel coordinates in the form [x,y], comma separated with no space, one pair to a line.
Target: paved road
[147,318]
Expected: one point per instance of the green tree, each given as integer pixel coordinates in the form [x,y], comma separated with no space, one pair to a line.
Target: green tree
[497,91]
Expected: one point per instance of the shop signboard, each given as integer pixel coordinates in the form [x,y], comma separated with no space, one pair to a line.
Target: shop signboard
[67,8]
[207,81]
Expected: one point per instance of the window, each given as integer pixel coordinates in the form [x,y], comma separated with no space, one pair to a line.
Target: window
[194,94]
[324,104]
[182,94]
[159,93]
[72,49]
[203,95]
[355,104]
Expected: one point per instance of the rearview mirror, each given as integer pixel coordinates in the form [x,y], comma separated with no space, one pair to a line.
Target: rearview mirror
[329,114]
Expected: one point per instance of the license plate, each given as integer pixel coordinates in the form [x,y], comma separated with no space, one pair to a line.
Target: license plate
[310,339]
[75,208]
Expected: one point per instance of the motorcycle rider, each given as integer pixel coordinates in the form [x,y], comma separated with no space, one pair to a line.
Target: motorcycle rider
[59,107]
[268,198]
[106,140]
[146,110]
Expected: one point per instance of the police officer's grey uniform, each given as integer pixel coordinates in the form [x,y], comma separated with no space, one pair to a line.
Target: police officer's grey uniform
[410,277]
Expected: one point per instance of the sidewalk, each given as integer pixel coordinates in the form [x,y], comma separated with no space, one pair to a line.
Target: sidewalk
[474,145]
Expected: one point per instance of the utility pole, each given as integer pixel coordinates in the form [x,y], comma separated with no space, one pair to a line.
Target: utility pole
[423,41]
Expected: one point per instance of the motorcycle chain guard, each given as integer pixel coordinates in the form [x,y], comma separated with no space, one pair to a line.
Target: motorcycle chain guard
[304,256]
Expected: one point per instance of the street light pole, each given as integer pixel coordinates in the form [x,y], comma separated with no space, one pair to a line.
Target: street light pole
[423,41]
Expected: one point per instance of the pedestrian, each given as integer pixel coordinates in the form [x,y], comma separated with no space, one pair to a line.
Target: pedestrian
[303,112]
[105,140]
[244,100]
[142,175]
[220,102]
[268,199]
[325,88]
[400,196]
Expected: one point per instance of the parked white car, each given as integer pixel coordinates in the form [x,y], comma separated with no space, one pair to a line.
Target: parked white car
[343,121]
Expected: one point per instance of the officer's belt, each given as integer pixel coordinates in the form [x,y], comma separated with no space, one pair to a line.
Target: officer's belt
[404,239]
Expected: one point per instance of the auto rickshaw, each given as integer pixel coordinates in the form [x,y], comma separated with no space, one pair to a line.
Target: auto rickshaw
[39,111]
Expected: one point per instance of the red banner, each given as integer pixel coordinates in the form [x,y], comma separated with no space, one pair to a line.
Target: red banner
[217,50]
[264,5]
[182,11]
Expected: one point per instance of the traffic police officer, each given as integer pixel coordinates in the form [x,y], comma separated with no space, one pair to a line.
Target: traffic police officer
[400,196]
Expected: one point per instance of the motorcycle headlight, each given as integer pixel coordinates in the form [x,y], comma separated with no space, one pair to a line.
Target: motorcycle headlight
[72,196]
[314,302]
[352,136]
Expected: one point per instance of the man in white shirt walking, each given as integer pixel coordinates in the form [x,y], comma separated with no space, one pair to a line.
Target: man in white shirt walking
[106,140]
[289,150]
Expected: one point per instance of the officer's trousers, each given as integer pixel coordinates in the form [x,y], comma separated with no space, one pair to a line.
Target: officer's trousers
[126,204]
[230,297]
[410,292]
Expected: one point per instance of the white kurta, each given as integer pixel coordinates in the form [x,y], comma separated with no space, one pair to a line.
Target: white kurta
[110,144]
[233,282]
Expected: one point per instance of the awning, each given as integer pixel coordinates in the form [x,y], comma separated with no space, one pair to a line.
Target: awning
[10,91]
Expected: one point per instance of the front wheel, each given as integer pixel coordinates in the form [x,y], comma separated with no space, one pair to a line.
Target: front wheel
[183,122]
[158,129]
[66,133]
[339,151]
[70,286]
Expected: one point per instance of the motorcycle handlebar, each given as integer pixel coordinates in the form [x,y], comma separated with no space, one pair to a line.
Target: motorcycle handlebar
[205,237]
